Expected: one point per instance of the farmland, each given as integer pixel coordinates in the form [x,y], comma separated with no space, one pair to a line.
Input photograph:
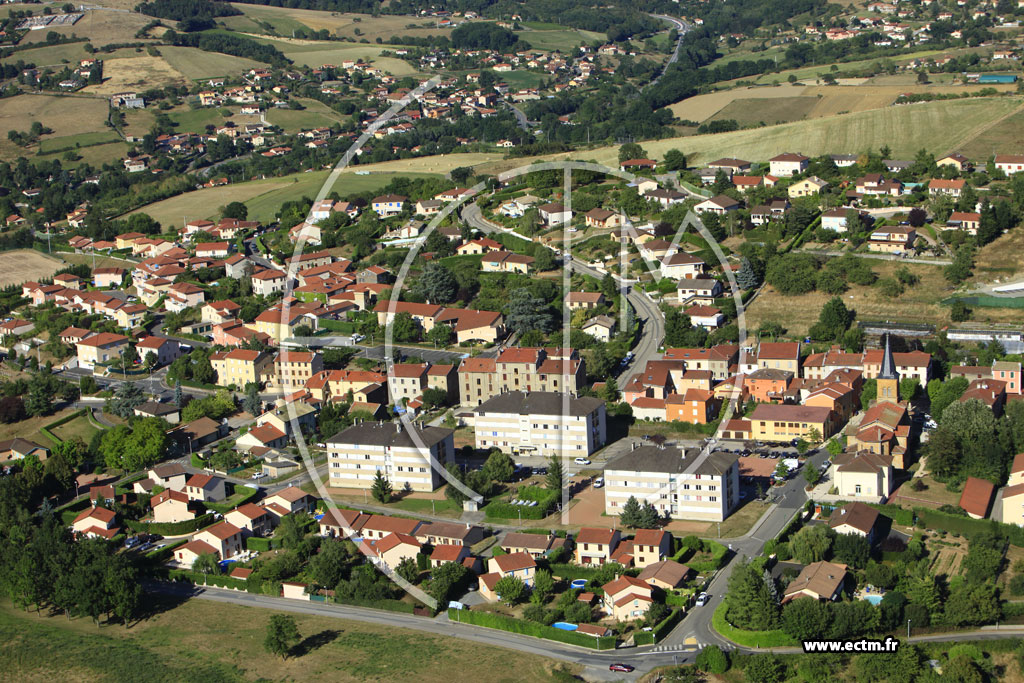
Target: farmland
[64,115]
[23,265]
[315,53]
[558,38]
[96,155]
[315,114]
[136,73]
[101,27]
[195,64]
[349,26]
[224,642]
[768,110]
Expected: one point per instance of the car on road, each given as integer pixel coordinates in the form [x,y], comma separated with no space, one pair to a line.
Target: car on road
[581,461]
[620,667]
[540,470]
[702,599]
[599,482]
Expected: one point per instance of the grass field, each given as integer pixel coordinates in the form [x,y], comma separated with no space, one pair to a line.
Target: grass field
[702,107]
[1000,259]
[29,427]
[315,114]
[97,155]
[263,197]
[208,641]
[79,427]
[54,54]
[558,38]
[522,79]
[343,25]
[811,72]
[1007,137]
[23,265]
[325,54]
[194,63]
[64,115]
[768,110]
[136,73]
[101,28]
[51,144]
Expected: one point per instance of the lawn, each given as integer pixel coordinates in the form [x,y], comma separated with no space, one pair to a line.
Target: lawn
[79,427]
[207,641]
[443,507]
[741,521]
[29,427]
[50,144]
[196,64]
[776,638]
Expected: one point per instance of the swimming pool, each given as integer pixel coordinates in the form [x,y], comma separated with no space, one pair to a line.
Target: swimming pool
[565,626]
[579,583]
[874,598]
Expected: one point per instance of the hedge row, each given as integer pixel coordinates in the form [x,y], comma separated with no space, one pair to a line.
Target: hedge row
[161,555]
[260,545]
[499,510]
[219,580]
[45,429]
[717,559]
[968,527]
[530,628]
[573,571]
[171,528]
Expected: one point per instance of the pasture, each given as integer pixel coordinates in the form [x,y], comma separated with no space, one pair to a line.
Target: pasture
[343,25]
[196,64]
[136,73]
[25,265]
[769,110]
[96,155]
[66,116]
[100,27]
[1004,137]
[702,107]
[315,114]
[558,38]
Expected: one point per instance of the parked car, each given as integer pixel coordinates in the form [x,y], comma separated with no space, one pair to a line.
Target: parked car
[622,668]
[581,461]
[702,599]
[599,482]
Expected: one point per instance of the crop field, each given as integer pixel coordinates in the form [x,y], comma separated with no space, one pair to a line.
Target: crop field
[324,54]
[136,73]
[66,116]
[559,38]
[431,165]
[767,110]
[213,641]
[702,107]
[195,64]
[343,25]
[24,265]
[1005,137]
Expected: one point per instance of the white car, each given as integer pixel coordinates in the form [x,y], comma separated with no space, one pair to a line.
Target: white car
[581,461]
[599,482]
[702,599]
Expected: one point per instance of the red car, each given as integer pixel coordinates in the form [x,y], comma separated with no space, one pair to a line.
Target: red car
[624,668]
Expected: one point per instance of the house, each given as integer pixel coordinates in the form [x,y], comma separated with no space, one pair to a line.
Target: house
[535,545]
[862,474]
[197,433]
[602,218]
[696,406]
[480,245]
[19,449]
[807,187]
[681,266]
[506,262]
[976,498]
[100,348]
[342,523]
[391,550]
[594,547]
[225,538]
[186,555]
[535,423]
[1010,163]
[205,487]
[818,580]
[213,249]
[171,506]
[836,219]
[388,205]
[731,166]
[448,553]
[169,475]
[96,522]
[627,598]
[163,351]
[449,533]
[788,164]
[520,565]
[252,519]
[768,385]
[16,327]
[586,300]
[601,327]
[780,356]
[699,291]
[357,453]
[378,526]
[854,518]
[268,282]
[955,160]
[951,188]
[968,221]
[896,239]
[240,367]
[633,165]
[650,546]
[708,317]
[292,499]
[554,214]
[666,574]
[720,204]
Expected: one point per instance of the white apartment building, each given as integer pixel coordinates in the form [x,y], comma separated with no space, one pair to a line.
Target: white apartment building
[543,423]
[684,484]
[356,454]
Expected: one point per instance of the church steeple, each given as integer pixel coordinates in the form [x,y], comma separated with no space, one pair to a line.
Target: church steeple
[888,379]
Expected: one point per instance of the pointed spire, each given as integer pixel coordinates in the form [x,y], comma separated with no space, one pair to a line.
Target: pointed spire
[888,370]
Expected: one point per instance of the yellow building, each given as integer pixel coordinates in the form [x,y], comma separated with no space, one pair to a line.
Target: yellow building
[100,348]
[785,422]
[240,367]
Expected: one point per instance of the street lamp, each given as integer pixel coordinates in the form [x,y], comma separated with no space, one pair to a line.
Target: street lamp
[908,629]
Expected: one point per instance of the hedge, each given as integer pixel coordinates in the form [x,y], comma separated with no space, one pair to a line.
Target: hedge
[662,629]
[161,555]
[260,545]
[530,628]
[219,580]
[386,604]
[45,429]
[70,511]
[545,501]
[171,528]
[897,514]
[573,571]
[717,559]
[761,639]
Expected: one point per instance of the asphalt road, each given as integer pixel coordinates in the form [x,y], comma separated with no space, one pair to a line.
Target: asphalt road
[682,27]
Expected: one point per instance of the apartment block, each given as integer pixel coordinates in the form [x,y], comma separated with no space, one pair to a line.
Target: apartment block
[684,484]
[520,369]
[356,454]
[241,366]
[543,423]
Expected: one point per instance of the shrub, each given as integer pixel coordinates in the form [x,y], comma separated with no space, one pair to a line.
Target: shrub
[1017,584]
[712,660]
[529,628]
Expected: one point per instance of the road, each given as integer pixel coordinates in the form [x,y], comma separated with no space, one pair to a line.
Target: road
[652,322]
[682,27]
[521,119]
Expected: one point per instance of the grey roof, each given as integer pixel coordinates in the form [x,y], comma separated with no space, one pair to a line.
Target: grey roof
[156,408]
[389,434]
[697,283]
[672,460]
[539,403]
[888,369]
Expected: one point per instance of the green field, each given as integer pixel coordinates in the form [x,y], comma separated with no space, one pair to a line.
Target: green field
[200,640]
[263,197]
[317,53]
[79,427]
[54,54]
[197,64]
[558,37]
[1007,137]
[315,114]
[196,120]
[808,72]
[97,155]
[82,140]
[255,15]
[522,79]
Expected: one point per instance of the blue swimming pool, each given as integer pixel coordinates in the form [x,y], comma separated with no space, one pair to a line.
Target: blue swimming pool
[874,598]
[579,583]
[565,626]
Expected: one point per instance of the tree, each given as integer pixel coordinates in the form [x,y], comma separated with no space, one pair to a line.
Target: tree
[543,585]
[528,312]
[880,575]
[177,394]
[282,634]
[674,160]
[811,543]
[236,210]
[441,334]
[437,284]
[381,489]
[553,479]
[12,409]
[408,570]
[206,564]
[959,312]
[630,516]
[631,150]
[499,467]
[833,321]
[746,278]
[749,602]
[292,529]
[404,328]
[764,669]
[712,660]
[972,605]
[917,217]
[812,475]
[445,579]
[510,589]
[805,618]
[127,397]
[851,549]
[39,400]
